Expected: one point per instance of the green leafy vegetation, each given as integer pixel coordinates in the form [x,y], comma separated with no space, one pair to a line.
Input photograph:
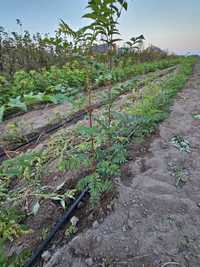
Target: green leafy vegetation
[9,224]
[56,85]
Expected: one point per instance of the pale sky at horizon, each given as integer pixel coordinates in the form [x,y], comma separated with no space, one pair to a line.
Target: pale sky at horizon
[169,24]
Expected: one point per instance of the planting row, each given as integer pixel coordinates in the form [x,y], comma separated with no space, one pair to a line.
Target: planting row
[65,84]
[16,132]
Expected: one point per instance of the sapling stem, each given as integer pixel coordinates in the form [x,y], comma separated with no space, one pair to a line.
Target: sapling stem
[90,114]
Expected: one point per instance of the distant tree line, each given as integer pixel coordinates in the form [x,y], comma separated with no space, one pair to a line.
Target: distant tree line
[22,50]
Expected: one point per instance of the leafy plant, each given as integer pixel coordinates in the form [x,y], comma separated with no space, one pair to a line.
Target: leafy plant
[181,143]
[42,194]
[71,230]
[31,99]
[17,103]
[9,224]
[97,186]
[16,260]
[21,166]
[181,177]
[105,15]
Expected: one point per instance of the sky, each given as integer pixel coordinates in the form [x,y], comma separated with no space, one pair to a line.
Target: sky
[173,25]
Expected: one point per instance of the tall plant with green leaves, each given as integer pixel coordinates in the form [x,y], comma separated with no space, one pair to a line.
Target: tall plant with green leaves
[105,16]
[81,43]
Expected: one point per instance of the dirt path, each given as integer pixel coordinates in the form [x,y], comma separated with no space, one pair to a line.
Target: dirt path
[153,221]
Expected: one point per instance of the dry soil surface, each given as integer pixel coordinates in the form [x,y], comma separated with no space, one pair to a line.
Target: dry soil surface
[154,221]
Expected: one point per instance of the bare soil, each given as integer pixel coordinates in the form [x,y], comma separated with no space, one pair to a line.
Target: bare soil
[154,222]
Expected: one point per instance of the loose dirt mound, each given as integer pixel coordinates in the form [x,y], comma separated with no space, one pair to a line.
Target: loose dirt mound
[156,218]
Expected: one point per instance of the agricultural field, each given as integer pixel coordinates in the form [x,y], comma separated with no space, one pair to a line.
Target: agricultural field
[75,139]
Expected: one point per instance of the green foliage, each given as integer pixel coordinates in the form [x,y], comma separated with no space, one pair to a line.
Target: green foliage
[56,99]
[31,99]
[71,230]
[105,15]
[153,107]
[22,166]
[17,103]
[72,158]
[73,161]
[14,260]
[59,85]
[97,186]
[121,73]
[107,169]
[9,224]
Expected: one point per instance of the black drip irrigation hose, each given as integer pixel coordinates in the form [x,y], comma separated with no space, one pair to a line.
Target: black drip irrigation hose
[66,217]
[53,128]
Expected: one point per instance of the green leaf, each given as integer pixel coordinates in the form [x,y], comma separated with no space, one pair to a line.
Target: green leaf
[2,111]
[32,99]
[65,28]
[62,166]
[89,131]
[17,103]
[58,99]
[125,5]
[90,16]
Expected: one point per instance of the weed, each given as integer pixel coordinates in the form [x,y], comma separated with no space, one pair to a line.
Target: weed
[71,230]
[181,143]
[97,186]
[181,177]
[44,233]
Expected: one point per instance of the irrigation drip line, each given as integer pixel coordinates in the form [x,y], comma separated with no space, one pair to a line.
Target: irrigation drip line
[68,121]
[49,130]
[65,218]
